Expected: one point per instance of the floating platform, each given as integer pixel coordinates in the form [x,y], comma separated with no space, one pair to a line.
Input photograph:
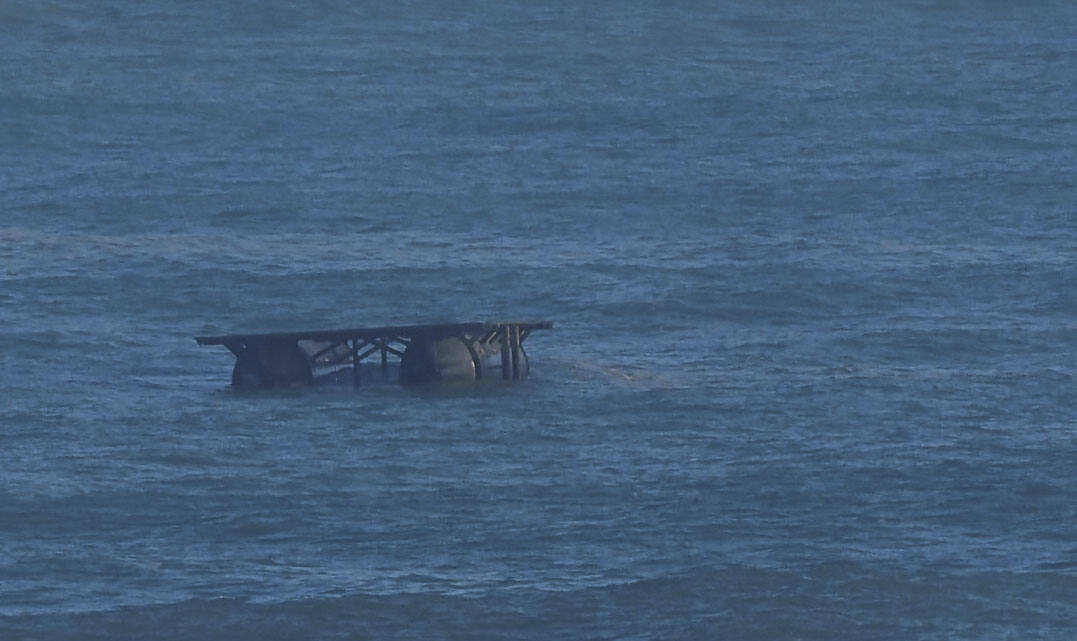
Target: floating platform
[426,353]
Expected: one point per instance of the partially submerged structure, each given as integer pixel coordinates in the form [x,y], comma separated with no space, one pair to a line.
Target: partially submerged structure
[425,353]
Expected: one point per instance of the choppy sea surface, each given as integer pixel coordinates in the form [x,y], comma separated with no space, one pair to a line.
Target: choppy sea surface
[811,267]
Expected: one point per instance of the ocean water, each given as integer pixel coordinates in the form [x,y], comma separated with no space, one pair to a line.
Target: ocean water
[811,267]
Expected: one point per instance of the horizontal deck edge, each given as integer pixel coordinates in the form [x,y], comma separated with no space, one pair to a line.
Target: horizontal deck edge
[369,333]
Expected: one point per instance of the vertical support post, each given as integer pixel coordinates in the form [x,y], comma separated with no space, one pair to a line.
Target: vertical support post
[506,358]
[474,352]
[355,362]
[515,341]
[384,357]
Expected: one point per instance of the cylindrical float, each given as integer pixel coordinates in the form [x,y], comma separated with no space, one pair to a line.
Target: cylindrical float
[428,360]
[454,358]
[272,364]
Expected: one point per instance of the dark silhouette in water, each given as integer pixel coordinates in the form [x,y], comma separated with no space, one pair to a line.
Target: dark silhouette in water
[272,363]
[428,353]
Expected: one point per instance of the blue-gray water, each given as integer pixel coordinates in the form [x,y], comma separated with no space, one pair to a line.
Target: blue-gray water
[811,266]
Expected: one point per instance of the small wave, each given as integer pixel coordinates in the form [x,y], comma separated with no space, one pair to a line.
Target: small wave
[625,376]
